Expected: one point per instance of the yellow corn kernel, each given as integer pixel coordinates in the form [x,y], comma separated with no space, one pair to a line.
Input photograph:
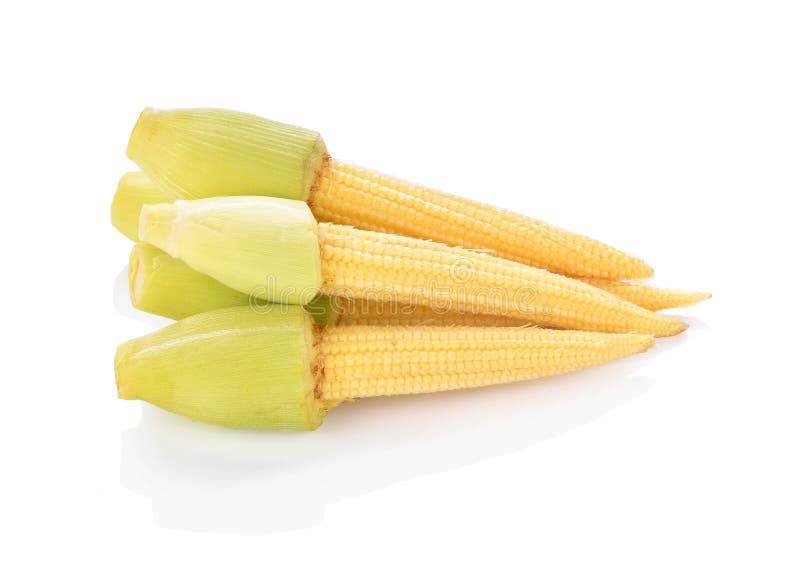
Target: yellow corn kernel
[244,241]
[364,361]
[650,297]
[207,152]
[387,313]
[272,369]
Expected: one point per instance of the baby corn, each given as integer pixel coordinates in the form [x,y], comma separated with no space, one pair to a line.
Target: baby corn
[650,297]
[273,249]
[136,190]
[274,369]
[200,153]
[160,284]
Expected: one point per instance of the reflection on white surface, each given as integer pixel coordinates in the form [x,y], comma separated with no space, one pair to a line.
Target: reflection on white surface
[204,478]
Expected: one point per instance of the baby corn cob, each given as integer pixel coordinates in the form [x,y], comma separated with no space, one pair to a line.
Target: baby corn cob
[358,264]
[364,312]
[163,285]
[649,297]
[364,361]
[272,248]
[274,369]
[135,190]
[204,152]
[366,199]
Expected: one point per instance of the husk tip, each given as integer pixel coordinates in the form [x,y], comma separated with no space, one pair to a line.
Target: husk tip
[119,210]
[124,390]
[156,225]
[142,132]
[701,296]
[135,273]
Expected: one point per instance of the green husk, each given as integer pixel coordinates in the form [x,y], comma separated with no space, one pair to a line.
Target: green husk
[196,153]
[134,190]
[235,367]
[264,247]
[166,286]
[163,285]
[324,310]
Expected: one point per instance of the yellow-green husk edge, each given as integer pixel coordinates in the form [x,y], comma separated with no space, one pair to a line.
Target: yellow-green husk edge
[134,190]
[264,247]
[163,285]
[196,153]
[233,367]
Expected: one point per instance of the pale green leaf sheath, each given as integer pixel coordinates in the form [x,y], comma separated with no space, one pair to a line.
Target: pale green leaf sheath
[163,285]
[232,367]
[265,247]
[134,190]
[210,152]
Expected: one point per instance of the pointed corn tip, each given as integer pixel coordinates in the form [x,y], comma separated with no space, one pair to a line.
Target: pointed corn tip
[690,299]
[642,270]
[157,223]
[142,132]
[670,327]
[680,298]
[647,342]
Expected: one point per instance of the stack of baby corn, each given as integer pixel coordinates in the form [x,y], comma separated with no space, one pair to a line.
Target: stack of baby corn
[299,281]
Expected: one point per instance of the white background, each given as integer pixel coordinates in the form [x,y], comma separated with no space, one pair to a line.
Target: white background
[668,129]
